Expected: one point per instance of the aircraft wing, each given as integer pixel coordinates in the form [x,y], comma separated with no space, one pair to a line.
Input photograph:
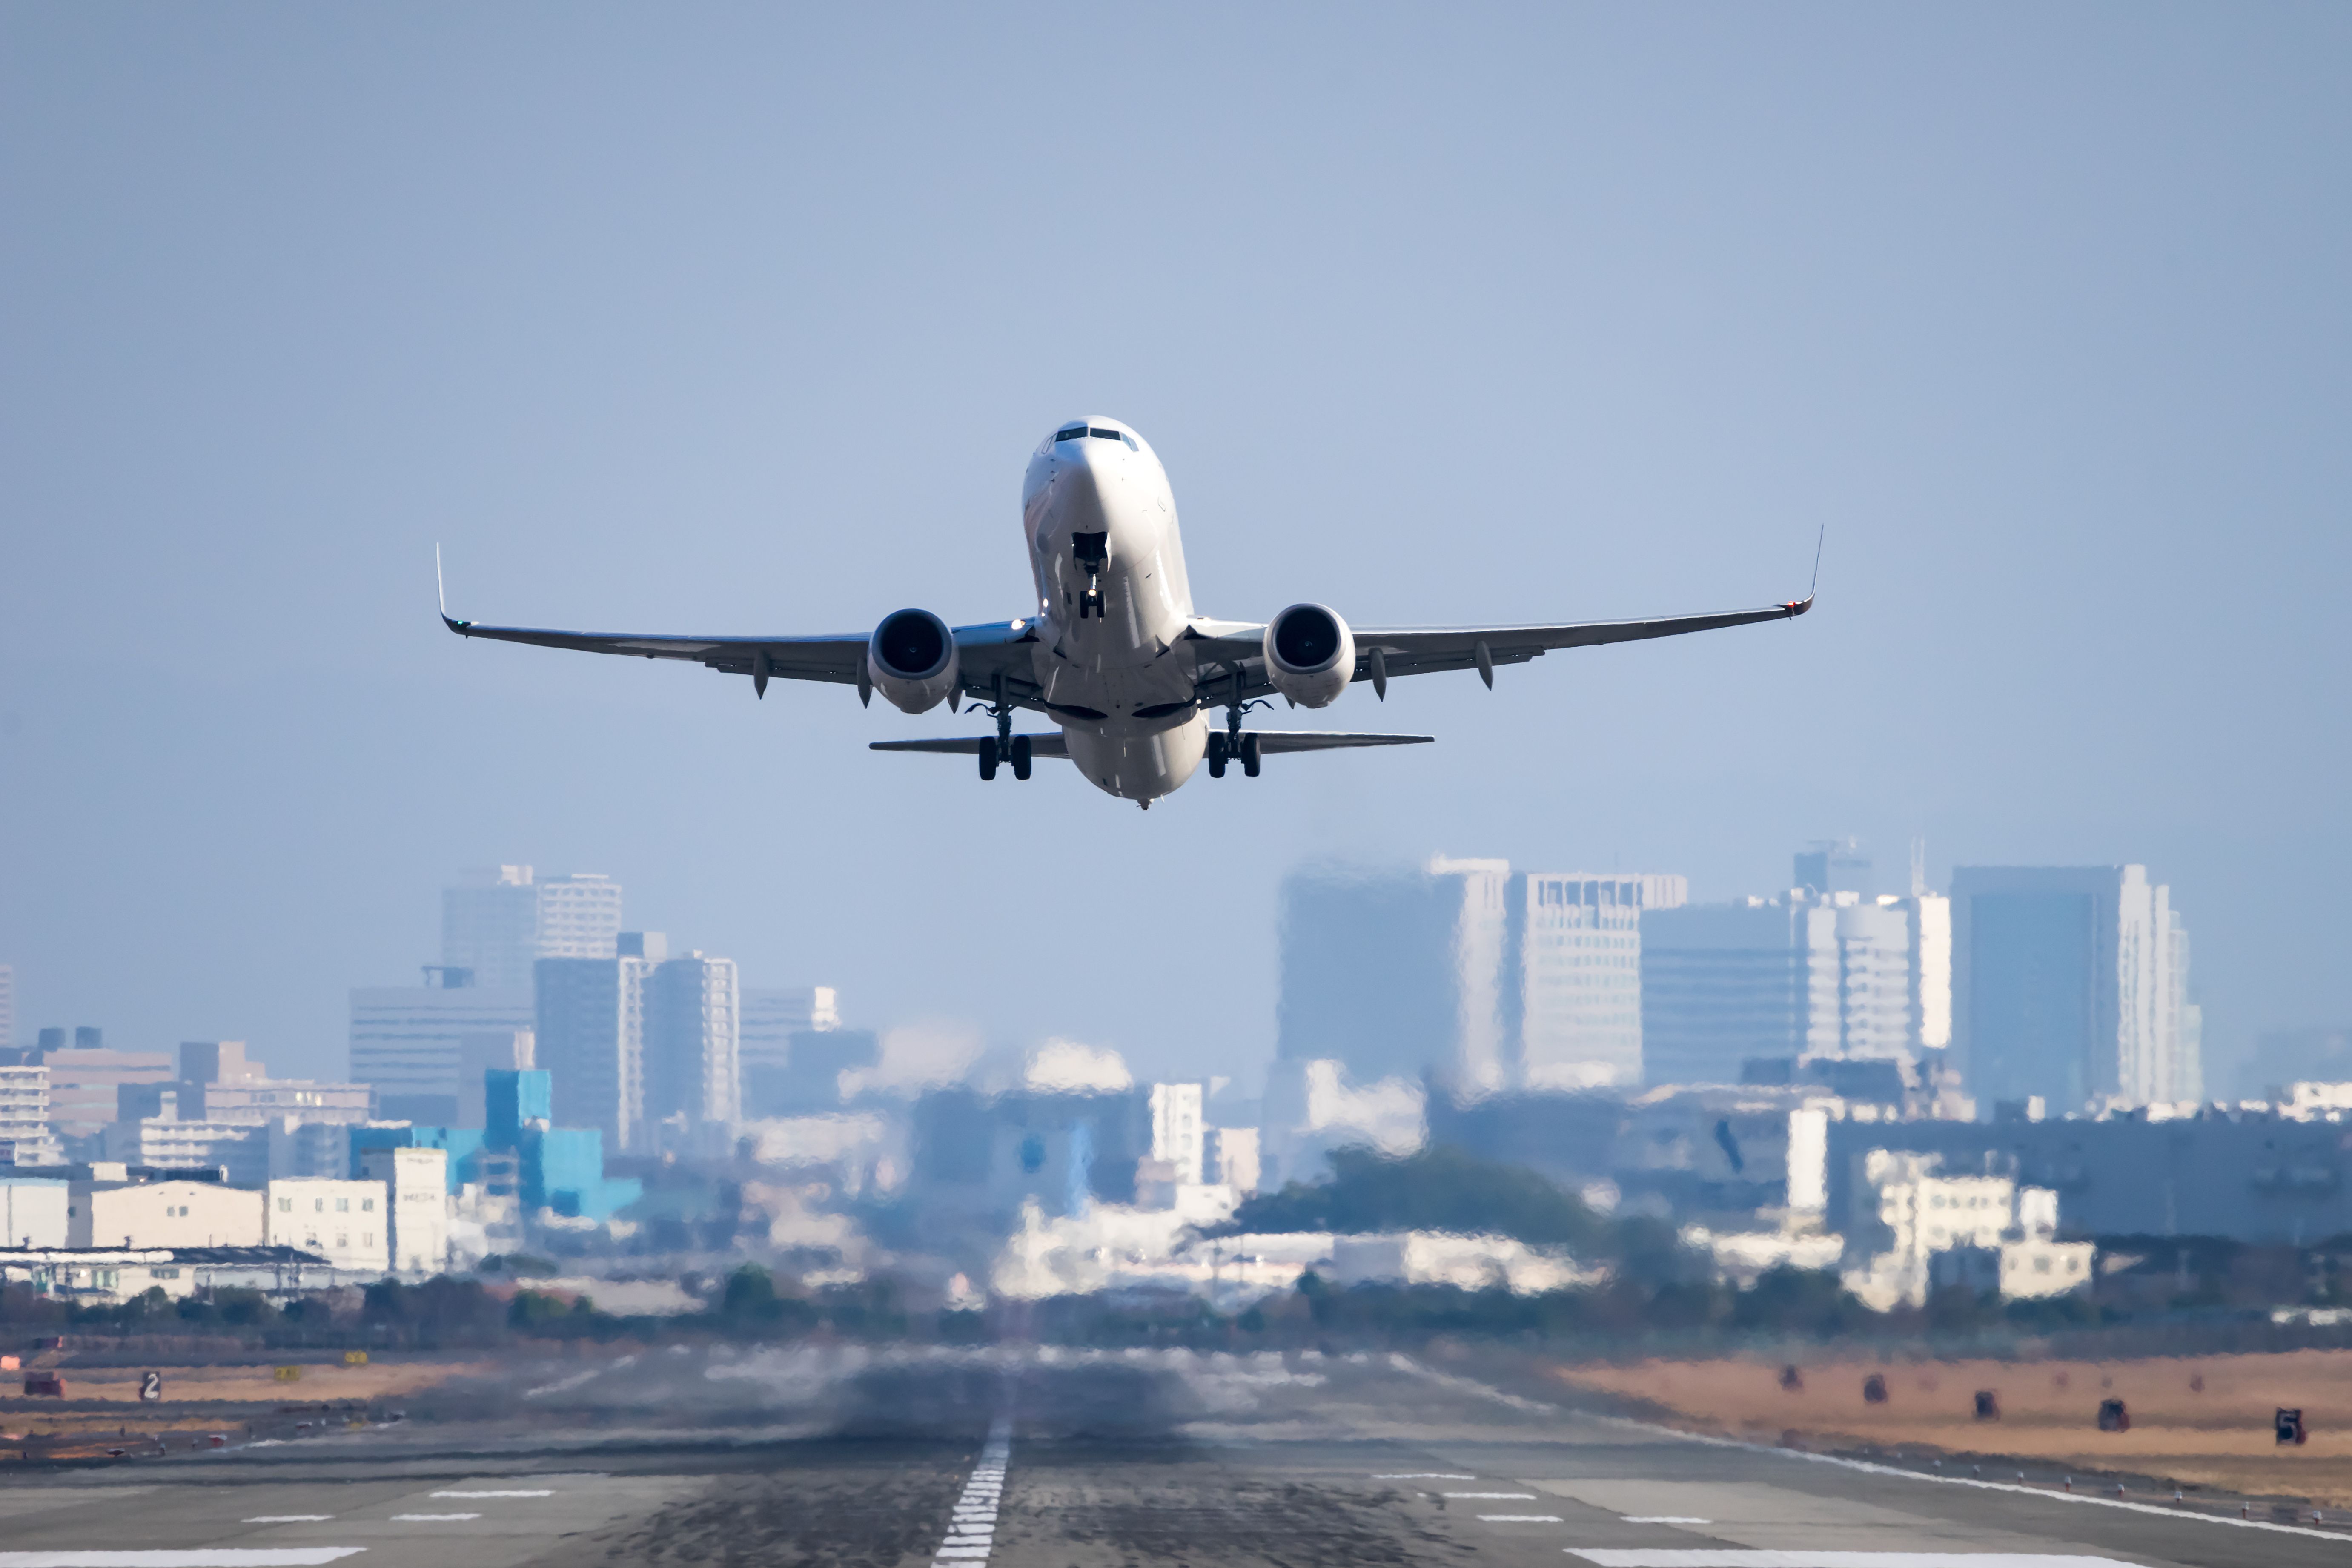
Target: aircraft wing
[983,652]
[1382,652]
[969,745]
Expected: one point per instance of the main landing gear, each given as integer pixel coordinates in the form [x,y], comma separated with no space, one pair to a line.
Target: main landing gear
[1232,745]
[1004,746]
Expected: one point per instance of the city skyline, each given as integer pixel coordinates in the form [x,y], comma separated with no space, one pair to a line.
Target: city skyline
[2062,383]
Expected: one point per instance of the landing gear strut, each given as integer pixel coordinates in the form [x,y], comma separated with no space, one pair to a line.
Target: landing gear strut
[1091,551]
[1004,746]
[1232,745]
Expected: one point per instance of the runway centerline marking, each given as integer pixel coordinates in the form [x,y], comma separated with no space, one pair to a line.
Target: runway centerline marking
[972,1524]
[1664,1518]
[290,1519]
[546,1494]
[430,1518]
[1425,1475]
[1519,1519]
[1491,1497]
[189,1557]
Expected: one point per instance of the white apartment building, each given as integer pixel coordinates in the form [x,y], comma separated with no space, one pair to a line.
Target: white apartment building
[500,921]
[591,1038]
[1234,1158]
[25,1135]
[348,1223]
[1177,1128]
[417,1184]
[108,1209]
[1915,1227]
[165,1143]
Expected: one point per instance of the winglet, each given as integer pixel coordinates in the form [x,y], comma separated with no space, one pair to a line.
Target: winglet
[1799,606]
[441,590]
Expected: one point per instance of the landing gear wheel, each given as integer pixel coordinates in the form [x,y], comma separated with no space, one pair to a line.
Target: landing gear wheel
[1021,756]
[988,757]
[1249,755]
[1216,756]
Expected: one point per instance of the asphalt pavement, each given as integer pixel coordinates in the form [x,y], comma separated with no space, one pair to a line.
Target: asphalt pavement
[1066,1460]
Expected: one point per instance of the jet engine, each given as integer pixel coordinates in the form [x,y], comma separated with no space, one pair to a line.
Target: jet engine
[1310,655]
[911,659]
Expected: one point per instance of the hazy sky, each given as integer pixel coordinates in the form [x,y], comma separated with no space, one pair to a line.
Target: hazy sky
[716,318]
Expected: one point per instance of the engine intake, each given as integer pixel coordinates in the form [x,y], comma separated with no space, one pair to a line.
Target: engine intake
[911,658]
[1310,655]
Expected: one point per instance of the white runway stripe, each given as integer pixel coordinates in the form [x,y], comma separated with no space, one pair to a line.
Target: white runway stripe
[1491,1497]
[1612,1557]
[1664,1518]
[1425,1475]
[548,1493]
[971,1528]
[192,1557]
[1519,1519]
[290,1519]
[430,1518]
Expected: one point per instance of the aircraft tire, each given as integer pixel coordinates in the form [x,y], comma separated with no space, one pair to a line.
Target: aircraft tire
[988,758]
[1021,756]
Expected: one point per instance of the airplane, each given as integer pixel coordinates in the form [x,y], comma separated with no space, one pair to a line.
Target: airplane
[1116,655]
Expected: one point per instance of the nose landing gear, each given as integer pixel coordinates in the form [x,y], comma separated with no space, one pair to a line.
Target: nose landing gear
[1092,550]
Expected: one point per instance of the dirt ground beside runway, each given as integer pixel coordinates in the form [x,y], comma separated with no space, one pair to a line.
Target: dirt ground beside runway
[327,1381]
[2203,1420]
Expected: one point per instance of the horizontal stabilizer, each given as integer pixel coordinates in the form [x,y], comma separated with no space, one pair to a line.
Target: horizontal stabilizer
[969,745]
[1272,742]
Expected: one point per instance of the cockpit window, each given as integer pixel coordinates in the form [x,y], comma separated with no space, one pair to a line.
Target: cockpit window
[1130,443]
[1101,435]
[1074,433]
[1078,432]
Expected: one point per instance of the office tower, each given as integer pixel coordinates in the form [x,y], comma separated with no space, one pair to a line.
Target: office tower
[773,1014]
[691,1023]
[86,1083]
[1396,975]
[25,1136]
[1234,1156]
[1572,988]
[498,921]
[2064,985]
[410,1042]
[1834,866]
[501,1050]
[590,1035]
[1719,985]
[1485,979]
[1177,1130]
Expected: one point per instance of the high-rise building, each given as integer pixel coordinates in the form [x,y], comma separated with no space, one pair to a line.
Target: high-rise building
[692,1021]
[1177,1130]
[2065,986]
[410,1043]
[773,1014]
[8,1007]
[1573,989]
[1816,976]
[589,1037]
[498,921]
[1462,970]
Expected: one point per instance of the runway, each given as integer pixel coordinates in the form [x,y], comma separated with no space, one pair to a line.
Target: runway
[1064,1459]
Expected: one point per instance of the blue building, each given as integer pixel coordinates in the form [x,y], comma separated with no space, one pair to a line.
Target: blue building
[557,1168]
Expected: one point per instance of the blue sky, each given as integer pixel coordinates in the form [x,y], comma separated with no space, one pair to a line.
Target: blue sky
[740,320]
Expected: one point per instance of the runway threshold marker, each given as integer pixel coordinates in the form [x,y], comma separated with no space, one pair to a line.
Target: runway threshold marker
[971,1530]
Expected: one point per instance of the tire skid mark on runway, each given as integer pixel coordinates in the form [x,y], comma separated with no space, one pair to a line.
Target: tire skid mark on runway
[971,1530]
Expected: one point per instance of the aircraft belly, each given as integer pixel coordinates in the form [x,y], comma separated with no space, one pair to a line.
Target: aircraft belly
[1138,766]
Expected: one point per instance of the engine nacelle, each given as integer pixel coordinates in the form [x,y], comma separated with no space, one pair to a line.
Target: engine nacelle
[911,659]
[1310,655]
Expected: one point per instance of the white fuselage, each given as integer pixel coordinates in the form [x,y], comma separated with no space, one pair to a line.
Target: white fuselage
[1120,683]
